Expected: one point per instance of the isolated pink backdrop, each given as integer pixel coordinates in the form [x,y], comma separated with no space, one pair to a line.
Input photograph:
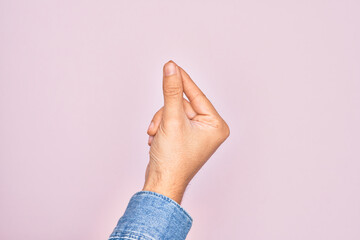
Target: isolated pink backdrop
[80,81]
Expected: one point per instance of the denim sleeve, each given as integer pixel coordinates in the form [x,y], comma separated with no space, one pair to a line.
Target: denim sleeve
[152,216]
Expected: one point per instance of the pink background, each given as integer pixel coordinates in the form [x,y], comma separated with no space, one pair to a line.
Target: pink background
[80,81]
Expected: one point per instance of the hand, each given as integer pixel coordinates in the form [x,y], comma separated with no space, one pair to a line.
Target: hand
[183,135]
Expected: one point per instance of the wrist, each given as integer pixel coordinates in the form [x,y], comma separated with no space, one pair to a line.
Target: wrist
[173,191]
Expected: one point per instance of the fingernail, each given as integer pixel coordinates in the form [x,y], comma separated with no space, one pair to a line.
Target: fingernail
[169,69]
[151,125]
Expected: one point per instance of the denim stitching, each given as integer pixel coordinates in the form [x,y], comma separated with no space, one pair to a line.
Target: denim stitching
[123,238]
[128,233]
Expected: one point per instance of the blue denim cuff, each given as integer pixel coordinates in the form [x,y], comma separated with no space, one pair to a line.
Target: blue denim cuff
[152,216]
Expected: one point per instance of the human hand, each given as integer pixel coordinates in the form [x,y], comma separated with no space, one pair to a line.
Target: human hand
[183,135]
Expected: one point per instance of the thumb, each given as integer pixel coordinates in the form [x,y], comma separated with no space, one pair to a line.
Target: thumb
[173,92]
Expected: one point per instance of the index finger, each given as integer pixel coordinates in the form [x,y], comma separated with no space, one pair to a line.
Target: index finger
[198,100]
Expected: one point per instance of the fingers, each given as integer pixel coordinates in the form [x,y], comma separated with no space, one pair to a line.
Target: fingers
[156,120]
[150,140]
[189,111]
[173,92]
[200,103]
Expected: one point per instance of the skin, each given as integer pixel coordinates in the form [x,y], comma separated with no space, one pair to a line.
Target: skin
[182,135]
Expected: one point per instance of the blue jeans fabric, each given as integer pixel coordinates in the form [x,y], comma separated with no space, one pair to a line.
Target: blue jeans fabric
[152,216]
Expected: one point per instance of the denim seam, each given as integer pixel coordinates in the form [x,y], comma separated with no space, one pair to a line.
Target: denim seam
[127,233]
[131,238]
[166,199]
[172,216]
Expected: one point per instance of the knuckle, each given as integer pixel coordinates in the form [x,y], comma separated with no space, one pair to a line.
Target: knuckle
[227,130]
[172,90]
[157,115]
[198,95]
[217,124]
[224,129]
[149,132]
